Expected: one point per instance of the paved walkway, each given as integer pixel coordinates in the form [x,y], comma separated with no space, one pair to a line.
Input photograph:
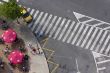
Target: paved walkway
[38,63]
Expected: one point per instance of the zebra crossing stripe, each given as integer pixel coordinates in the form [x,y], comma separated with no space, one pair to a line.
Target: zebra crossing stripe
[80,29]
[41,23]
[32,11]
[107,50]
[59,28]
[73,32]
[105,43]
[37,21]
[102,68]
[96,39]
[97,48]
[63,31]
[82,35]
[103,61]
[68,31]
[91,39]
[35,15]
[87,36]
[52,23]
[55,26]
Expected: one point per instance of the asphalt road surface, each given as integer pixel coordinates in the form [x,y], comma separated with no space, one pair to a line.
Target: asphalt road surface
[95,8]
[71,58]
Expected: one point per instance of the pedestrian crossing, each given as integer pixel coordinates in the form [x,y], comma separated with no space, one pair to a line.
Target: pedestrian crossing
[102,62]
[92,21]
[69,31]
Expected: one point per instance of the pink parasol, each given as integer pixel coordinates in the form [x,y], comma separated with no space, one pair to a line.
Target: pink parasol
[9,36]
[16,57]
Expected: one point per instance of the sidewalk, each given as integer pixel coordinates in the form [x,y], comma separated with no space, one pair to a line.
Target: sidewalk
[38,63]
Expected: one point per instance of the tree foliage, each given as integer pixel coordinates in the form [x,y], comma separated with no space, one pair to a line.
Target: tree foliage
[10,10]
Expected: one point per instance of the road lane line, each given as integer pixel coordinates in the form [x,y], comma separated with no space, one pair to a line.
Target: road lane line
[54,28]
[101,41]
[102,68]
[68,31]
[82,35]
[80,29]
[51,24]
[64,29]
[87,36]
[91,39]
[105,43]
[73,32]
[97,24]
[90,20]
[46,24]
[59,28]
[41,23]
[103,61]
[96,39]
[37,21]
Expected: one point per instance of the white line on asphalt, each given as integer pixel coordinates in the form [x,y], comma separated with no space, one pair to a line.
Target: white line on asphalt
[32,11]
[68,31]
[98,24]
[80,29]
[59,28]
[82,35]
[46,23]
[96,39]
[73,32]
[64,29]
[91,39]
[105,43]
[42,22]
[51,24]
[102,68]
[90,20]
[106,28]
[37,21]
[107,50]
[87,36]
[34,16]
[103,61]
[101,41]
[28,9]
[55,26]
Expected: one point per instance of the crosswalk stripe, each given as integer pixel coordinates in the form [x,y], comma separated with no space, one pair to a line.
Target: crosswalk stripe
[105,43]
[103,61]
[32,11]
[107,50]
[37,21]
[68,31]
[87,36]
[82,35]
[41,23]
[97,48]
[73,32]
[55,26]
[91,39]
[97,24]
[96,39]
[80,29]
[52,23]
[85,22]
[63,31]
[59,28]
[46,24]
[35,15]
[101,68]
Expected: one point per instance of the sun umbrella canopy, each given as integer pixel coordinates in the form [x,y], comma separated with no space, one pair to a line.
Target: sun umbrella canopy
[15,57]
[9,36]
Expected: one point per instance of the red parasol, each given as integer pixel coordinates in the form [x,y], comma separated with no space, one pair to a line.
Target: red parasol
[9,36]
[15,57]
